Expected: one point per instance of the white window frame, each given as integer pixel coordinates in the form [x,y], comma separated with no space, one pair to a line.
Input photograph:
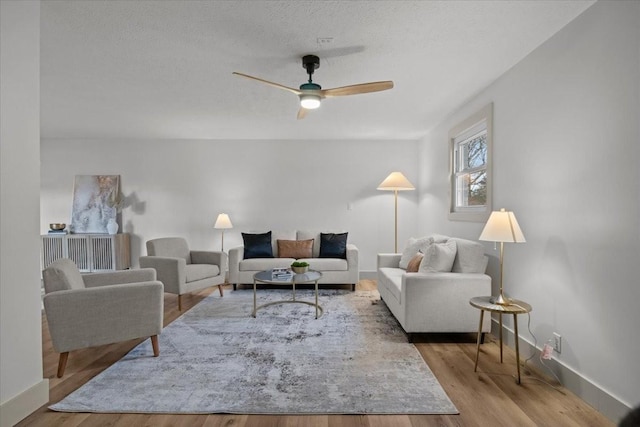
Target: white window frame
[479,122]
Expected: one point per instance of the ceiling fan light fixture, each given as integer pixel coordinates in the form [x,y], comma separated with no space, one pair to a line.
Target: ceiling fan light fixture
[309,101]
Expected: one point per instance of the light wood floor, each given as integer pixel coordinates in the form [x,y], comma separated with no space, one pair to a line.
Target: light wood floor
[487,398]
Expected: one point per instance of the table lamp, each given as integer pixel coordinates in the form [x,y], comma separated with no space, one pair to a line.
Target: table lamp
[223,222]
[395,182]
[502,227]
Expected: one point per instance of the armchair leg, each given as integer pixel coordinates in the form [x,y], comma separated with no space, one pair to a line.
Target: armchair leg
[179,302]
[62,363]
[155,345]
[220,289]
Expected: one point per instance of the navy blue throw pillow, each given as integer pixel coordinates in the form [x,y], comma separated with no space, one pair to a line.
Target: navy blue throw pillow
[257,245]
[333,245]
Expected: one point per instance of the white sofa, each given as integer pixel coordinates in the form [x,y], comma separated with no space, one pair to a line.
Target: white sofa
[334,270]
[425,302]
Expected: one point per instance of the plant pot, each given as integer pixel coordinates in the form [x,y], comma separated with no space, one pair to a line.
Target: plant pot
[300,270]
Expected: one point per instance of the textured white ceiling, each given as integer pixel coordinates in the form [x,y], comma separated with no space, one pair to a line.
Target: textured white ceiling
[162,69]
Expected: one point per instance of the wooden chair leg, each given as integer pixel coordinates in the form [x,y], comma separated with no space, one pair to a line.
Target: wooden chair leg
[220,289]
[179,302]
[155,345]
[62,363]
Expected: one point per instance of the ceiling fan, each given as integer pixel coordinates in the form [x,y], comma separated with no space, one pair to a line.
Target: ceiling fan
[311,93]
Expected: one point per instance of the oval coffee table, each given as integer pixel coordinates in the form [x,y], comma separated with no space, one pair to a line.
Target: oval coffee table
[266,277]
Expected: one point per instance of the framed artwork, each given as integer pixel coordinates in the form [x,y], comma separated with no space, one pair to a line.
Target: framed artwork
[96,199]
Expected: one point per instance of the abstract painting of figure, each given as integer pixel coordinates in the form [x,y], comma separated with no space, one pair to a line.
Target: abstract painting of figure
[95,202]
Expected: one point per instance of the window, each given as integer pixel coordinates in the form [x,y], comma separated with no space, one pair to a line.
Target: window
[470,154]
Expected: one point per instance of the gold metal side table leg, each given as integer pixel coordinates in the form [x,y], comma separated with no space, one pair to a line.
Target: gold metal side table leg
[515,328]
[316,299]
[475,369]
[500,315]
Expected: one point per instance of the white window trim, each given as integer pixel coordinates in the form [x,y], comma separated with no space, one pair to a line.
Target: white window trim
[463,130]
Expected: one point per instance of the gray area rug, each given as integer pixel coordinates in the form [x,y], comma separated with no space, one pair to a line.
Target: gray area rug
[216,358]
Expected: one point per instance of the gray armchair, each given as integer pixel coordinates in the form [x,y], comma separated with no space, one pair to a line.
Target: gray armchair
[100,308]
[182,270]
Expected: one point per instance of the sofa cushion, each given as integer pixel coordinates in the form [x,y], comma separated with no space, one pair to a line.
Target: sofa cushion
[327,264]
[438,257]
[295,248]
[259,264]
[195,272]
[469,258]
[257,245]
[281,235]
[333,245]
[414,264]
[414,245]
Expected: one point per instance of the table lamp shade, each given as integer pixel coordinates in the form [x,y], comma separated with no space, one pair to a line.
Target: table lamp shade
[502,226]
[396,181]
[223,221]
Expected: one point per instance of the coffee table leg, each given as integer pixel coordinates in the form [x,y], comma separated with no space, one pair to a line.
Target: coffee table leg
[316,299]
[254,297]
[475,369]
[294,290]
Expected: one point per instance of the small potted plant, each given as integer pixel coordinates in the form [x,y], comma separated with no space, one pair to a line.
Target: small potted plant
[300,267]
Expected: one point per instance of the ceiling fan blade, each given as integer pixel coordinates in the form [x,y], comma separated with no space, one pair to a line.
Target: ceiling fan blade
[277,85]
[357,89]
[302,113]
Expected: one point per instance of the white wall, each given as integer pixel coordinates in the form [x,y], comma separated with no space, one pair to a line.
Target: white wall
[566,152]
[180,186]
[22,388]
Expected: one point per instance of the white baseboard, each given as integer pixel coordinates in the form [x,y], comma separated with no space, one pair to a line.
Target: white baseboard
[369,275]
[19,407]
[603,401]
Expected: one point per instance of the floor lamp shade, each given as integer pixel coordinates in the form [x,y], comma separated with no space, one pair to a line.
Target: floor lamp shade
[395,182]
[502,227]
[223,222]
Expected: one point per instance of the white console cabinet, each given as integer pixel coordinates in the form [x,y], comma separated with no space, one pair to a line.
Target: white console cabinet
[90,252]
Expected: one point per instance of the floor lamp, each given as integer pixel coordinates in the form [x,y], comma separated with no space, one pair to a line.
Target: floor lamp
[223,223]
[395,182]
[502,227]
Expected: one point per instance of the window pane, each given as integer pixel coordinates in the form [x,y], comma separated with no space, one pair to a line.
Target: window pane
[475,152]
[472,189]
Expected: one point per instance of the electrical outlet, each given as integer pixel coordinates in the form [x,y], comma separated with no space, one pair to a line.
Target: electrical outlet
[557,342]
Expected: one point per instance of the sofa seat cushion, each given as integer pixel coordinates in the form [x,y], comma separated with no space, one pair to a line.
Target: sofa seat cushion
[327,264]
[393,281]
[195,272]
[259,264]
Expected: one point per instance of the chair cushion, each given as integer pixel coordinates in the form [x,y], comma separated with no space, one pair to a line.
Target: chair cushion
[333,245]
[469,258]
[62,275]
[257,245]
[438,257]
[171,247]
[295,248]
[195,272]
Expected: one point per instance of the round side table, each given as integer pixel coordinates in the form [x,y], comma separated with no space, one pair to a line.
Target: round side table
[516,307]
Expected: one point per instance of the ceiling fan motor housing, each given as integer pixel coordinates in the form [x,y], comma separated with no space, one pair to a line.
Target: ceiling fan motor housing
[310,63]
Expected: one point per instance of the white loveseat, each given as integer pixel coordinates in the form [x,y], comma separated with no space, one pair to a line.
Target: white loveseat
[426,302]
[334,270]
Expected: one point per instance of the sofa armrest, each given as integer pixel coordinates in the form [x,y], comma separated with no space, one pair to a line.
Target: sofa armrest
[389,260]
[92,280]
[235,256]
[170,271]
[210,257]
[352,255]
[80,318]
